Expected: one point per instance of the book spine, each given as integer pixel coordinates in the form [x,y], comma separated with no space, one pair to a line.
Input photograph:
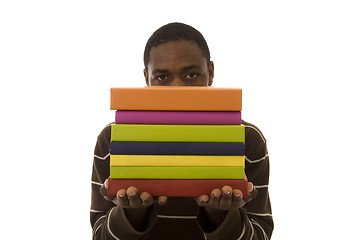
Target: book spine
[163,172]
[177,148]
[178,117]
[177,133]
[176,99]
[176,160]
[176,188]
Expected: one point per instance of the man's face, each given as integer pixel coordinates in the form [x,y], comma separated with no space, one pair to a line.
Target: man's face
[178,63]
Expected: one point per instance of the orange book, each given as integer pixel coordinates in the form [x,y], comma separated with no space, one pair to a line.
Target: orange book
[176,98]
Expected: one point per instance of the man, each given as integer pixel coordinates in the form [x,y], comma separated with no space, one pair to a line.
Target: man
[178,55]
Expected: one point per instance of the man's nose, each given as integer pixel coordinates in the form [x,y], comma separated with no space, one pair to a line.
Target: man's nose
[177,81]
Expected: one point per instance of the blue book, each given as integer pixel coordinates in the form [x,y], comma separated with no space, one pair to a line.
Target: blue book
[177,148]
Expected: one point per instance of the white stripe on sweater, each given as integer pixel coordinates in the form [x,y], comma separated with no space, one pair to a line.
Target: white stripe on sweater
[262,137]
[252,230]
[96,211]
[108,226]
[97,229]
[261,186]
[96,183]
[257,160]
[176,217]
[260,214]
[242,233]
[102,158]
[262,230]
[99,219]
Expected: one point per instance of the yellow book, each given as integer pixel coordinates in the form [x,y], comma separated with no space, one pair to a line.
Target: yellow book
[176,160]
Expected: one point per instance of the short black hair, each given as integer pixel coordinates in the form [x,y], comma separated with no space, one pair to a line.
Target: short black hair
[174,32]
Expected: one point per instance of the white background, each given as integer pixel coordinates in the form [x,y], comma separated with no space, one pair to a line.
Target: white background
[296,61]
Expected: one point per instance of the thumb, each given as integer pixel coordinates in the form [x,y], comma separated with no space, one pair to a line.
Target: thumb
[104,193]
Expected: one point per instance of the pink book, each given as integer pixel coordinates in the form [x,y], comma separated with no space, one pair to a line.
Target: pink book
[178,117]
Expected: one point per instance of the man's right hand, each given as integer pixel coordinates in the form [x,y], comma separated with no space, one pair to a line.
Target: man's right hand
[130,198]
[135,205]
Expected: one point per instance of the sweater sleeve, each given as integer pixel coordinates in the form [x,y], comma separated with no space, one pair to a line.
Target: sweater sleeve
[107,220]
[254,219]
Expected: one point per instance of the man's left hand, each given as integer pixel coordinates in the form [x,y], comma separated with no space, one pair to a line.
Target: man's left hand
[221,201]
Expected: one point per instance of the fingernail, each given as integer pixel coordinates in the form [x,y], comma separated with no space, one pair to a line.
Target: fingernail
[106,184]
[251,187]
[216,194]
[238,195]
[131,194]
[162,199]
[144,196]
[227,192]
[121,193]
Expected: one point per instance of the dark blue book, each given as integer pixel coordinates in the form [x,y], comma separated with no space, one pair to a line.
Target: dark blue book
[177,148]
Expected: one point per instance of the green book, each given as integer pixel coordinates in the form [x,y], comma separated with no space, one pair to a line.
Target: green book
[177,172]
[177,133]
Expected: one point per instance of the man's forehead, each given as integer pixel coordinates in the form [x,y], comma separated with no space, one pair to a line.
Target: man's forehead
[182,53]
[181,48]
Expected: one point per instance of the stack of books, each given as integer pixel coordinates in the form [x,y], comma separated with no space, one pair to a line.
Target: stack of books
[177,141]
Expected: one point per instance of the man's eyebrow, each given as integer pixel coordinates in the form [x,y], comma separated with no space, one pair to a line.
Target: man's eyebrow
[157,70]
[190,67]
[160,71]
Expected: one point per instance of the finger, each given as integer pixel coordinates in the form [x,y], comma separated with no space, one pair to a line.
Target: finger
[146,199]
[134,198]
[252,192]
[237,199]
[202,200]
[121,199]
[103,191]
[214,198]
[226,198]
[162,200]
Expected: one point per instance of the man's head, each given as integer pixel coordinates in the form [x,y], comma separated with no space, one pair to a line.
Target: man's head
[177,55]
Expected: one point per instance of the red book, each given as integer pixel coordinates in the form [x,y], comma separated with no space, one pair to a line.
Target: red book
[176,187]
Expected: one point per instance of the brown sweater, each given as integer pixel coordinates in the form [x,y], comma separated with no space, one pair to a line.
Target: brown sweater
[181,218]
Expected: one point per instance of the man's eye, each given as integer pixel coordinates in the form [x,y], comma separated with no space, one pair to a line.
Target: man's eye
[161,77]
[191,75]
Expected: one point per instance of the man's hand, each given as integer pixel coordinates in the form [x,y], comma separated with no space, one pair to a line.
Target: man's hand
[135,205]
[130,198]
[221,201]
